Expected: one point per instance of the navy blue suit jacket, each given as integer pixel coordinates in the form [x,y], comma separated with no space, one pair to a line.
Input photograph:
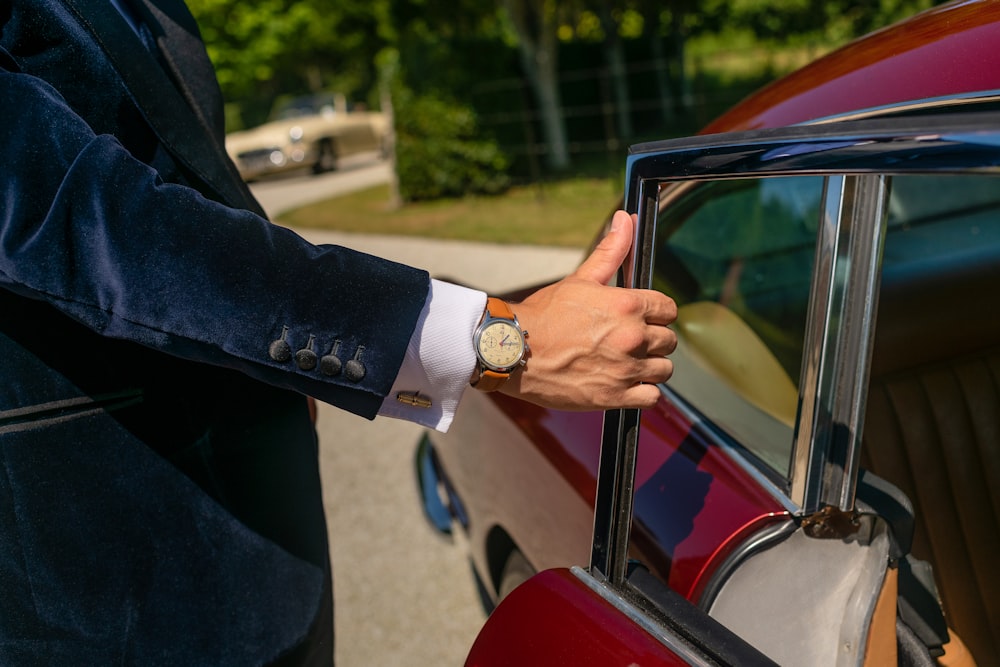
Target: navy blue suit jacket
[159,491]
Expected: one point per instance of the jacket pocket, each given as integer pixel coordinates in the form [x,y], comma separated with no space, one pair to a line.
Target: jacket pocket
[49,413]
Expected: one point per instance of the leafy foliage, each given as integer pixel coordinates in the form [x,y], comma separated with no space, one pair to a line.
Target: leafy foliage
[271,47]
[441,153]
[460,60]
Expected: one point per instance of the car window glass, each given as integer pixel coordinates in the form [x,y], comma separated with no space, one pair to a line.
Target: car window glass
[939,265]
[946,217]
[737,257]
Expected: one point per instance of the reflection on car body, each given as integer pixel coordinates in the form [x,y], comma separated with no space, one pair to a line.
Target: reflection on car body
[824,461]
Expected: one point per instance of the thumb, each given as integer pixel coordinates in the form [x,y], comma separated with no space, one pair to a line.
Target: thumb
[609,254]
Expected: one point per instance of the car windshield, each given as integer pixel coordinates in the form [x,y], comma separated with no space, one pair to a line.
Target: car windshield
[305,106]
[737,256]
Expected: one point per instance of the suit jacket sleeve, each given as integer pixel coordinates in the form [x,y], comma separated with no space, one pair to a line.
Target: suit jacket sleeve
[97,234]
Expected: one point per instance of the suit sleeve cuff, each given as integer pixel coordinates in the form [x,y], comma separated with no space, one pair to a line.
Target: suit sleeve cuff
[439,357]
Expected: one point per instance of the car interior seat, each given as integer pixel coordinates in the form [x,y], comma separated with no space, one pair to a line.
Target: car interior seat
[724,343]
[932,429]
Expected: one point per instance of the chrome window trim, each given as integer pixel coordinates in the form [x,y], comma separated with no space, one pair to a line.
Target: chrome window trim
[943,102]
[817,319]
[620,435]
[834,384]
[861,146]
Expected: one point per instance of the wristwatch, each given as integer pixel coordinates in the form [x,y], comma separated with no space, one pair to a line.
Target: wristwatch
[500,345]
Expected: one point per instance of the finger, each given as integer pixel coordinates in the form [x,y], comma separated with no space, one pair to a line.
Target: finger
[609,254]
[659,308]
[641,396]
[650,370]
[657,370]
[661,342]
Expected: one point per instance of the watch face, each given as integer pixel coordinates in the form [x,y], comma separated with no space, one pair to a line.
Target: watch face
[501,345]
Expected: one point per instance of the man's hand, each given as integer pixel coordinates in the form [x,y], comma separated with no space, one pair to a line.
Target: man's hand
[594,346]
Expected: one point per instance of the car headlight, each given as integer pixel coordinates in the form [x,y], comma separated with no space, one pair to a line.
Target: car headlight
[295,133]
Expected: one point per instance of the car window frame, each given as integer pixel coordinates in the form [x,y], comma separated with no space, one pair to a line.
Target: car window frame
[836,359]
[855,156]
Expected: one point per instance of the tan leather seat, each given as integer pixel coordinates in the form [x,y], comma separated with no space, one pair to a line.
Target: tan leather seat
[933,429]
[726,345]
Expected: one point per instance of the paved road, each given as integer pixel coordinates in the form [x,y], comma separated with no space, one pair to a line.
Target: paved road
[403,595]
[299,188]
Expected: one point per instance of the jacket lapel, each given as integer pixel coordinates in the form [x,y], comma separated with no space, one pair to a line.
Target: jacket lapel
[168,92]
[183,55]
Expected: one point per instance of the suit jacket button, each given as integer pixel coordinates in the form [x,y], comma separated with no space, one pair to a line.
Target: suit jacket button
[306,358]
[280,350]
[329,364]
[354,370]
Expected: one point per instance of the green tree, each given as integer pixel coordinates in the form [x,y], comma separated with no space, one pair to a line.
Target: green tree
[445,46]
[441,151]
[609,15]
[269,47]
[536,23]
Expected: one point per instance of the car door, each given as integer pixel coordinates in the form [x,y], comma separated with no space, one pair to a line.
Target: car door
[778,284]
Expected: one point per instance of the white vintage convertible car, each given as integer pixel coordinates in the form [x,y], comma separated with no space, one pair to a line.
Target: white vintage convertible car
[311,132]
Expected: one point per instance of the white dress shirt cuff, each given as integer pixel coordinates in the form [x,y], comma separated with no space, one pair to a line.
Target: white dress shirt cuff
[439,359]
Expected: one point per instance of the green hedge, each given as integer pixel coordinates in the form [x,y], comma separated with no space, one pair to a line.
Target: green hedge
[440,151]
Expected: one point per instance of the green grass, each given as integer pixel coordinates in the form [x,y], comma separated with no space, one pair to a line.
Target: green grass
[564,213]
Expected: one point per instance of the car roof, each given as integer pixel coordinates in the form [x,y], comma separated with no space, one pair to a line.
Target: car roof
[949,51]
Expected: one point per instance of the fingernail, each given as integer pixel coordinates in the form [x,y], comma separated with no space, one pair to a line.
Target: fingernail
[616,223]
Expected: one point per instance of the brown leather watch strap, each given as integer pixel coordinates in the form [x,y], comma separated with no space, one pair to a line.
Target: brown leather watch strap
[491,380]
[498,308]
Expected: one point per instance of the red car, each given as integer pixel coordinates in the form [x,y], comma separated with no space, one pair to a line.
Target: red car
[820,483]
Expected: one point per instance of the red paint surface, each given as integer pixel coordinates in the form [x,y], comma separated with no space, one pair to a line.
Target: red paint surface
[717,505]
[943,52]
[555,619]
[702,505]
